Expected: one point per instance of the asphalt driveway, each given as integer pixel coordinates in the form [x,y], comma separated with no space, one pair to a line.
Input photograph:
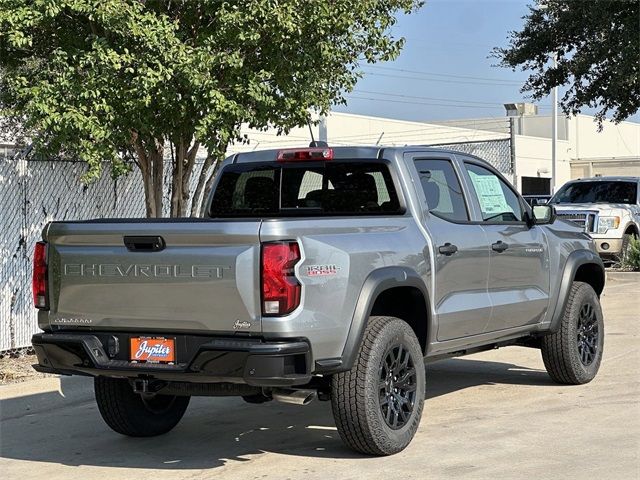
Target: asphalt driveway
[490,415]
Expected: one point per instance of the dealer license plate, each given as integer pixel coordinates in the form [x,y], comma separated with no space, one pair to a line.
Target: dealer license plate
[152,349]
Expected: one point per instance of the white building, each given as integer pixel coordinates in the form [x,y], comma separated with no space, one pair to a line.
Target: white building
[582,150]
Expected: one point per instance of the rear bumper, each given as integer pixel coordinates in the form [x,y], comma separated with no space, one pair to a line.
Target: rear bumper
[202,359]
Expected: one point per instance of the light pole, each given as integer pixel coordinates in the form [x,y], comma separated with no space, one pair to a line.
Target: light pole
[542,5]
[554,129]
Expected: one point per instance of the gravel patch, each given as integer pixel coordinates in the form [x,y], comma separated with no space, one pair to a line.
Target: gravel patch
[18,369]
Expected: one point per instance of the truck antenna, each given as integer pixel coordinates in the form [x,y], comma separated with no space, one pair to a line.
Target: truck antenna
[313,140]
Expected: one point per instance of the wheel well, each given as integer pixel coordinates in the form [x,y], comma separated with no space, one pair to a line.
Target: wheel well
[407,303]
[592,274]
[631,229]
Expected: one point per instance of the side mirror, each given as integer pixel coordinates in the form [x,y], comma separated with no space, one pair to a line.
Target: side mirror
[544,214]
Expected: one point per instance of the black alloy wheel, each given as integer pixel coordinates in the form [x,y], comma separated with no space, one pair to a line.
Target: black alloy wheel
[397,382]
[587,334]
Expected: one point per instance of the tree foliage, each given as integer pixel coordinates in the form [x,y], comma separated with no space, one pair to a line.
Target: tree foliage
[597,44]
[120,81]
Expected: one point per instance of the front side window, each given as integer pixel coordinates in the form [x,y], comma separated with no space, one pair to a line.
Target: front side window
[442,190]
[498,202]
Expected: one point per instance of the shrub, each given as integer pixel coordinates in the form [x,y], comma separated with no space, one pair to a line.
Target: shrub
[631,261]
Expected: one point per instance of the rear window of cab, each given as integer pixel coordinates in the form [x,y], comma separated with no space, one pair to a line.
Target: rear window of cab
[329,188]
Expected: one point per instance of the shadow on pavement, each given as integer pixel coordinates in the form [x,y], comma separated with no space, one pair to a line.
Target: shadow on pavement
[215,431]
[459,373]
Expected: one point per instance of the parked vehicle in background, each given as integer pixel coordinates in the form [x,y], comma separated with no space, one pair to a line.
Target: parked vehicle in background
[317,272]
[534,200]
[607,208]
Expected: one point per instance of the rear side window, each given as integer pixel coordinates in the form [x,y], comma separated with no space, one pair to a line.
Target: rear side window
[442,189]
[305,189]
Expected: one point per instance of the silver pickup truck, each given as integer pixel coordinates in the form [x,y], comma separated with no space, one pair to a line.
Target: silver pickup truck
[317,272]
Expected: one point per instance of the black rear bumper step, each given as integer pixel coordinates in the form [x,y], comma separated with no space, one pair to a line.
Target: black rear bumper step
[209,359]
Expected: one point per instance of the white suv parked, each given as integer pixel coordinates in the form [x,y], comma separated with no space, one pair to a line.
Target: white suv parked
[607,207]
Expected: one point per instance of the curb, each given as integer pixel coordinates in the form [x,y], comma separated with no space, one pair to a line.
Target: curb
[623,276]
[30,387]
[43,394]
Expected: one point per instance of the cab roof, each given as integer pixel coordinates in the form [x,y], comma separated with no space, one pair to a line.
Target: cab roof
[610,178]
[348,152]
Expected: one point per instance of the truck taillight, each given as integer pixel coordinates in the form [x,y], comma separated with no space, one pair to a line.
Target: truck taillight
[39,281]
[280,287]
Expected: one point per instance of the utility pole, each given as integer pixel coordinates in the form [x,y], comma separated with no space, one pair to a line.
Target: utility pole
[542,5]
[512,152]
[554,129]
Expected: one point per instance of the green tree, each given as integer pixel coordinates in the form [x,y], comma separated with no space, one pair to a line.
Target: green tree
[597,45]
[121,80]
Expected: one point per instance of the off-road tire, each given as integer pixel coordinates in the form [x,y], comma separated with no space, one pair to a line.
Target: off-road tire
[128,413]
[355,394]
[560,350]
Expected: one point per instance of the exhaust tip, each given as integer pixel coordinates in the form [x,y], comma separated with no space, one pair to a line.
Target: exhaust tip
[295,397]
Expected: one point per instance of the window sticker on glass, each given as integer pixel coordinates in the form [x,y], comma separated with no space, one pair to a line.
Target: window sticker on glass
[490,194]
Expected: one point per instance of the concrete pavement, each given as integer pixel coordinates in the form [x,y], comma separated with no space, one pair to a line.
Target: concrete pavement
[490,415]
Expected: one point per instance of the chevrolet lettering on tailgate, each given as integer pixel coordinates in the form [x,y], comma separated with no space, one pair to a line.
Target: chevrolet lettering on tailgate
[135,270]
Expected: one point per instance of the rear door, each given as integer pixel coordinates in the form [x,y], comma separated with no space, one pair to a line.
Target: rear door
[519,270]
[460,249]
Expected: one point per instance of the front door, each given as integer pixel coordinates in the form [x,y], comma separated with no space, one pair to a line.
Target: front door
[459,250]
[519,270]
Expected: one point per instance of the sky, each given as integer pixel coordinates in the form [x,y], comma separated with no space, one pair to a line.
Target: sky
[447,41]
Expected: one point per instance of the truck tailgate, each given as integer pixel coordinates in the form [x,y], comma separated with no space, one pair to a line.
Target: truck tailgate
[165,275]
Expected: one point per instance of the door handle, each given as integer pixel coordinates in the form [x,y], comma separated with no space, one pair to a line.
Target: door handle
[447,249]
[499,246]
[144,243]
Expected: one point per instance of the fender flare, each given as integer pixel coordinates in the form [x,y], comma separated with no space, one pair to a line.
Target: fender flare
[377,282]
[632,225]
[575,260]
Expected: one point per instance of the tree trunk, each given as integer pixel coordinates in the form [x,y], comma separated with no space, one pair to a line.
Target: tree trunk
[205,179]
[183,161]
[150,160]
[207,187]
[149,204]
[158,177]
[176,178]
[190,163]
[202,179]
[150,157]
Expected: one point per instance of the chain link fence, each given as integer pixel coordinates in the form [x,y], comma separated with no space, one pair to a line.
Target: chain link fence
[497,152]
[33,193]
